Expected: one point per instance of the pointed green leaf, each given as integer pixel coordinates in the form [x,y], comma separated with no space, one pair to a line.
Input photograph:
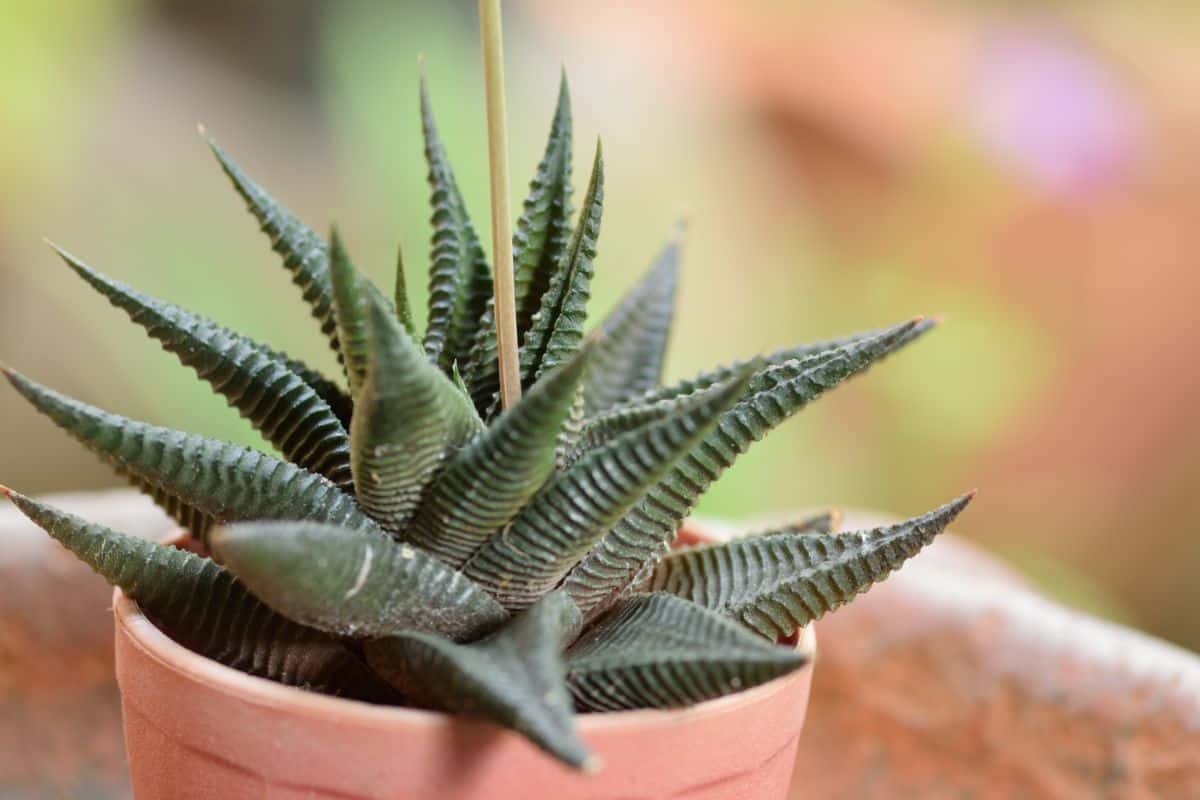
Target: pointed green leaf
[659,651]
[538,245]
[222,480]
[777,583]
[333,394]
[562,522]
[572,429]
[797,353]
[190,518]
[556,331]
[350,291]
[460,280]
[257,382]
[403,309]
[600,430]
[206,609]
[629,358]
[304,254]
[545,224]
[485,484]
[513,678]
[353,582]
[775,393]
[408,417]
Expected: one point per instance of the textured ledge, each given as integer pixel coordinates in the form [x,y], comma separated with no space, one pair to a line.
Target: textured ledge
[955,679]
[952,679]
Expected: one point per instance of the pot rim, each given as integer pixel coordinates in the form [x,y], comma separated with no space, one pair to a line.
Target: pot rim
[270,694]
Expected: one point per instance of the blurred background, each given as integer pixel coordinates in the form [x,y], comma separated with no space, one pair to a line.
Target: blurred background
[1027,169]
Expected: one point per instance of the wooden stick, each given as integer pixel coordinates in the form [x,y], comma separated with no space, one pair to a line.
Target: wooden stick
[502,254]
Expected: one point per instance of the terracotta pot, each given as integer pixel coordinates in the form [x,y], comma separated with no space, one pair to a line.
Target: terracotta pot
[197,729]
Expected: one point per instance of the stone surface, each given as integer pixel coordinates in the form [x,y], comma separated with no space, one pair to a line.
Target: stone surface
[952,679]
[955,679]
[60,719]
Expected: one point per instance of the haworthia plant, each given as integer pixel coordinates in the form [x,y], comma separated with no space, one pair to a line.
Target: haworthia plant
[513,677]
[630,358]
[538,244]
[354,583]
[776,582]
[658,651]
[460,281]
[205,607]
[258,382]
[412,544]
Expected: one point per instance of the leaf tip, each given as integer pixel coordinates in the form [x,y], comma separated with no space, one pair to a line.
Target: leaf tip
[679,230]
[592,765]
[72,261]
[7,492]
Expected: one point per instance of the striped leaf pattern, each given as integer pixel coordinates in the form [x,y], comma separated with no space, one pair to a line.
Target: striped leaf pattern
[660,651]
[408,417]
[802,352]
[777,583]
[305,254]
[562,522]
[633,342]
[538,245]
[222,480]
[403,309]
[350,291]
[514,678]
[556,331]
[773,394]
[259,383]
[190,518]
[353,582]
[460,280]
[205,608]
[334,395]
[500,471]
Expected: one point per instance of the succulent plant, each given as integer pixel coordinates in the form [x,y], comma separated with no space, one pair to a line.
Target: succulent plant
[414,544]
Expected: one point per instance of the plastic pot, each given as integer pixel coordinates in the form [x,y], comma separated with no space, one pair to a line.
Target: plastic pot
[197,729]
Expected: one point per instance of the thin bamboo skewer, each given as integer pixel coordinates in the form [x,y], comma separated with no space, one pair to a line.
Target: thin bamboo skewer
[502,254]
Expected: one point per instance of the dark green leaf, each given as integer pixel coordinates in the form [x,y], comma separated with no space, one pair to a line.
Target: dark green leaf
[333,394]
[602,429]
[485,484]
[538,246]
[658,651]
[777,583]
[304,254]
[206,609]
[568,438]
[556,332]
[408,417]
[353,582]
[460,280]
[403,309]
[562,522]
[259,383]
[222,480]
[797,353]
[190,518]
[513,678]
[629,357]
[773,394]
[350,291]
